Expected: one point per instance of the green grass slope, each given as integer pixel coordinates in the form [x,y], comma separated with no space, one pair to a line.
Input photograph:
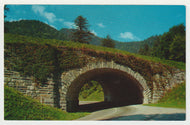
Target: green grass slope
[174,98]
[20,107]
[92,91]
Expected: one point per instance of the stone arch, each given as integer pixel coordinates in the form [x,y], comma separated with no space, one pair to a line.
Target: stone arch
[73,80]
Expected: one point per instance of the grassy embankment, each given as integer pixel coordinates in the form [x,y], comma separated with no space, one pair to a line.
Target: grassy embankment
[11,38]
[19,107]
[174,98]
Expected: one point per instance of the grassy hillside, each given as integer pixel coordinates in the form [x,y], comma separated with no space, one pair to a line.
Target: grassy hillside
[12,38]
[174,98]
[19,107]
[91,92]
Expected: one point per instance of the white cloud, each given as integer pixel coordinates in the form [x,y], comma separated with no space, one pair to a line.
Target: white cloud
[37,8]
[48,15]
[101,25]
[92,31]
[70,25]
[128,35]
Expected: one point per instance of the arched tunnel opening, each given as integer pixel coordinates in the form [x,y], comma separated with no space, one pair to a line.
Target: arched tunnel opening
[91,92]
[119,89]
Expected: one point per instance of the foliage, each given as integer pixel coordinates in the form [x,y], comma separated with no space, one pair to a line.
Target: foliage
[170,45]
[33,28]
[173,98]
[11,38]
[91,91]
[81,35]
[108,42]
[20,107]
[151,65]
[145,50]
[40,61]
[177,48]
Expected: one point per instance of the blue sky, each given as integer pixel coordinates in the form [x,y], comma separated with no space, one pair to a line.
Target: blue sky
[122,22]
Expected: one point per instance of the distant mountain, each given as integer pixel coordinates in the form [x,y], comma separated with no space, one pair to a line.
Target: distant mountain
[134,47]
[33,28]
[36,28]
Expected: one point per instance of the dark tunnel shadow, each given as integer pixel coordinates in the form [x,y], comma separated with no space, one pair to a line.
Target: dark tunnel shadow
[99,106]
[119,88]
[155,117]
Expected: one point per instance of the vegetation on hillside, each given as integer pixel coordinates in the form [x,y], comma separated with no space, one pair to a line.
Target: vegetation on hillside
[170,45]
[11,38]
[33,28]
[91,91]
[39,29]
[42,61]
[173,98]
[65,58]
[108,42]
[20,107]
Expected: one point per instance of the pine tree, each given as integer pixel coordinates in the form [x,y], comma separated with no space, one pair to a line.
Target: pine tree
[108,42]
[82,33]
[177,48]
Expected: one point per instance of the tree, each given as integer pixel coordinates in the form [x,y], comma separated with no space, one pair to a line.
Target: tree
[156,51]
[108,42]
[82,33]
[168,42]
[177,48]
[146,50]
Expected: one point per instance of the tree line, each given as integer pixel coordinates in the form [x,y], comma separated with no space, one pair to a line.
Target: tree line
[170,45]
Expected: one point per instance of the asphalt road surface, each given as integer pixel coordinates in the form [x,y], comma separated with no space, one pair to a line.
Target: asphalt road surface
[138,112]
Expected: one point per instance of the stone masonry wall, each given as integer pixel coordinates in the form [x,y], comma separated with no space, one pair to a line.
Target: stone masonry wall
[44,94]
[169,80]
[27,86]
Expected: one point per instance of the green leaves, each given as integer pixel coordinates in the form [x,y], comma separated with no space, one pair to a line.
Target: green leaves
[177,48]
[108,42]
[40,61]
[169,46]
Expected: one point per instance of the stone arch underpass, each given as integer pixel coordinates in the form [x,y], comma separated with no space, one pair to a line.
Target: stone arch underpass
[121,85]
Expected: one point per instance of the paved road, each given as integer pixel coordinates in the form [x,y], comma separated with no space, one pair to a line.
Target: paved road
[137,112]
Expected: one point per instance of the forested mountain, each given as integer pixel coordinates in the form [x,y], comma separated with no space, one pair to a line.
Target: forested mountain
[33,28]
[36,28]
[170,45]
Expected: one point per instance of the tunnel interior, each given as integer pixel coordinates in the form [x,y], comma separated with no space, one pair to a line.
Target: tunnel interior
[119,89]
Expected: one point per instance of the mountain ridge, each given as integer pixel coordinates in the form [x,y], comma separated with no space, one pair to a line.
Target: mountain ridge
[37,28]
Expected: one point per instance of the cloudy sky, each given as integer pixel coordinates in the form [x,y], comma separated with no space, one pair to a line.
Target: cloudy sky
[122,22]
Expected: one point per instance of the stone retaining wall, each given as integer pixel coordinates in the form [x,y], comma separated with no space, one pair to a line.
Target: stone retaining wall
[44,93]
